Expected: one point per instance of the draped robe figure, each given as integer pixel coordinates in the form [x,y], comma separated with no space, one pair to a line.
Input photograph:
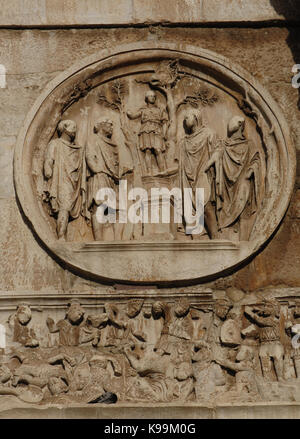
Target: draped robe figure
[237,166]
[65,171]
[103,162]
[196,149]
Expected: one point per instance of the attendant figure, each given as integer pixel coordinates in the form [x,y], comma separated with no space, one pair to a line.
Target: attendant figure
[196,149]
[237,168]
[64,169]
[103,162]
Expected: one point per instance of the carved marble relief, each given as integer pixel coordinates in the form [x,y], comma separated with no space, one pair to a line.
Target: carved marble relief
[230,169]
[155,120]
[203,349]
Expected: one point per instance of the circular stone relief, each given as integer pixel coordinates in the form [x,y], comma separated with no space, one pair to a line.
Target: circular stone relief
[154,164]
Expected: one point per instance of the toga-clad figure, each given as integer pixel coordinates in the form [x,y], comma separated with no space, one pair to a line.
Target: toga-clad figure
[103,161]
[64,169]
[196,148]
[237,166]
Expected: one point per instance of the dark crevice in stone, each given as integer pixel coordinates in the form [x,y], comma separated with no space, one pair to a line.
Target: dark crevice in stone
[206,24]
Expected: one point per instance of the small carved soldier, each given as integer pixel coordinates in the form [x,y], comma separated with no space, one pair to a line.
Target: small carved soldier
[267,320]
[161,310]
[221,310]
[181,326]
[22,332]
[134,324]
[70,328]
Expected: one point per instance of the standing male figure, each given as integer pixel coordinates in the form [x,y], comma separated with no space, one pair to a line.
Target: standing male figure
[267,320]
[64,169]
[196,149]
[103,161]
[70,328]
[152,132]
[221,310]
[237,167]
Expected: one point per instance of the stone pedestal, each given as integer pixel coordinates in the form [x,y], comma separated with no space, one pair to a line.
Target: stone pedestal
[157,207]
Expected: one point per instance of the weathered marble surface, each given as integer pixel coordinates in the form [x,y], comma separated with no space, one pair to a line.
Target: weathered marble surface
[210,348]
[33,57]
[93,12]
[264,52]
[156,411]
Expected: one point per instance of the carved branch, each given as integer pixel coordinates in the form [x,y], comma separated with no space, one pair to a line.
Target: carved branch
[202,96]
[103,100]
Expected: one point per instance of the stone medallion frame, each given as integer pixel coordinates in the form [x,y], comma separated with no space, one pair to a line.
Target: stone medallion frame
[155,263]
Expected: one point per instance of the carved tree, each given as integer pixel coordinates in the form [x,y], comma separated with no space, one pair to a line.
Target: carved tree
[117,92]
[166,79]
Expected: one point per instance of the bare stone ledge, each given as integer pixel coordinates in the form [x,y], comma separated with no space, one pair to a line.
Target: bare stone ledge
[266,410]
[118,246]
[47,13]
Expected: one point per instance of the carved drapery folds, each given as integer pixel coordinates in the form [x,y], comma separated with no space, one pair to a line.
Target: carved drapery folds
[209,350]
[174,143]
[154,118]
